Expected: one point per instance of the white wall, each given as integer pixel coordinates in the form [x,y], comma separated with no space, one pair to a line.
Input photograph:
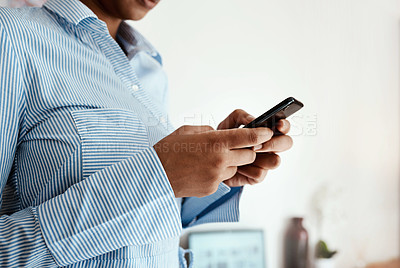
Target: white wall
[341,58]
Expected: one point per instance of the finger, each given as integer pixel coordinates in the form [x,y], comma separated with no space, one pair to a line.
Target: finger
[267,161]
[242,137]
[235,119]
[276,144]
[229,172]
[254,172]
[241,157]
[193,129]
[283,126]
[239,180]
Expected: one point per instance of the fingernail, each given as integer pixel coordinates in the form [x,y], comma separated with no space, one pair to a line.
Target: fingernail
[257,147]
[281,123]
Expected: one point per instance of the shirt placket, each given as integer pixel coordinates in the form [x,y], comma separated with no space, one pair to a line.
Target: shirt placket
[124,70]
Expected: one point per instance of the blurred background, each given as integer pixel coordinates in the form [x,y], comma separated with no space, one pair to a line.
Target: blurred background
[341,59]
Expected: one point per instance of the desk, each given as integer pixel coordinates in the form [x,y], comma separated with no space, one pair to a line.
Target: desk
[388,264]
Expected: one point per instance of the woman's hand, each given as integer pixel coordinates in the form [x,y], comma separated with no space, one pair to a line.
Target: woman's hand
[197,159]
[266,158]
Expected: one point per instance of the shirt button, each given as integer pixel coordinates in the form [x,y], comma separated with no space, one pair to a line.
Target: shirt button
[162,119]
[135,87]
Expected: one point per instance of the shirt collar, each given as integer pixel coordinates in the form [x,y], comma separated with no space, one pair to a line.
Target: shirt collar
[74,11]
[133,42]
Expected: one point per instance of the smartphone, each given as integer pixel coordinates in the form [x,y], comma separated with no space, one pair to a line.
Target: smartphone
[281,111]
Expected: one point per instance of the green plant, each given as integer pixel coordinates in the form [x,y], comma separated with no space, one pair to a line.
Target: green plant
[322,251]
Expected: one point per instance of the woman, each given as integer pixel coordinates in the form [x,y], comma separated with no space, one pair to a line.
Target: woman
[89,175]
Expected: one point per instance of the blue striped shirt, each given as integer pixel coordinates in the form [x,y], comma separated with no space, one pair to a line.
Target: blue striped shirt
[80,183]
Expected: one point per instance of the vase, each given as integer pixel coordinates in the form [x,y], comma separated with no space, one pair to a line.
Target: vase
[296,245]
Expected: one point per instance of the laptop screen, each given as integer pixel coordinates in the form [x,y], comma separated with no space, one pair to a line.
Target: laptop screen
[228,249]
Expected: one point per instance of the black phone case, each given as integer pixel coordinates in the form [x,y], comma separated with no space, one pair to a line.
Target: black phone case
[281,111]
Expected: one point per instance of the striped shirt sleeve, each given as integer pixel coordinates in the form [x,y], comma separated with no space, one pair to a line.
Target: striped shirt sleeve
[129,203]
[21,241]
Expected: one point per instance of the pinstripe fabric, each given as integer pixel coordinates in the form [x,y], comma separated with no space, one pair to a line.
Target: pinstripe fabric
[80,184]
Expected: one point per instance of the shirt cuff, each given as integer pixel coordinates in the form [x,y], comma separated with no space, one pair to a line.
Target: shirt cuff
[21,241]
[226,211]
[127,204]
[194,207]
